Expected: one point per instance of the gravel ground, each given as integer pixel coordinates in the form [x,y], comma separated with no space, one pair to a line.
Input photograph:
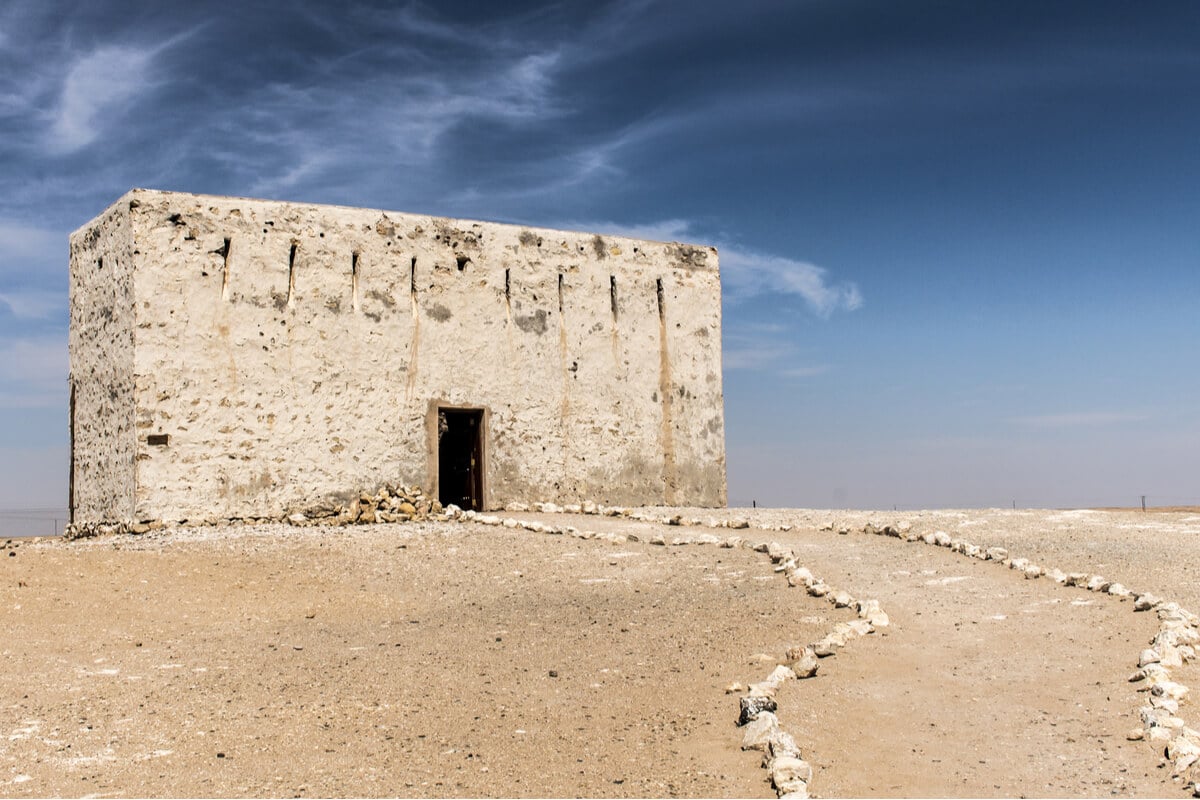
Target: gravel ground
[443,659]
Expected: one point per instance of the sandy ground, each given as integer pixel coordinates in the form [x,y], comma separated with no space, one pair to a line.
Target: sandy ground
[445,659]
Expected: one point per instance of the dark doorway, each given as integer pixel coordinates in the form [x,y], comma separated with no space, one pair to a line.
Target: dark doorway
[460,458]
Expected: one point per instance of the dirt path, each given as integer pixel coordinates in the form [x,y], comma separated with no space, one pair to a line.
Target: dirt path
[444,659]
[438,660]
[986,684]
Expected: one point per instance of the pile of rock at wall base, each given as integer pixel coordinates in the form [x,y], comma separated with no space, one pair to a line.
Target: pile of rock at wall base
[84,530]
[389,503]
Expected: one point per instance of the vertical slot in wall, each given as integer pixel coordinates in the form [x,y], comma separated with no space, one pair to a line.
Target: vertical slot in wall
[354,280]
[662,309]
[612,294]
[291,295]
[225,270]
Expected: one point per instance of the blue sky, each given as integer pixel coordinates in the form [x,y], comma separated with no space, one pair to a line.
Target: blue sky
[958,241]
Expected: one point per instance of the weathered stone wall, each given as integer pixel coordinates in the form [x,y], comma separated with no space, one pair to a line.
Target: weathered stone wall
[293,354]
[103,439]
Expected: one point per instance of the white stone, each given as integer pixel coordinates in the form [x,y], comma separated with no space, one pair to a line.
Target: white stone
[802,575]
[1182,751]
[1145,602]
[781,674]
[790,774]
[866,607]
[859,627]
[828,645]
[1159,734]
[1171,689]
[777,552]
[1148,656]
[807,665]
[781,744]
[1165,704]
[758,732]
[1170,656]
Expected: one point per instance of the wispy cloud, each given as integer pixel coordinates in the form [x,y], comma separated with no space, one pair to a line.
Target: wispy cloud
[405,123]
[1081,419]
[747,273]
[101,82]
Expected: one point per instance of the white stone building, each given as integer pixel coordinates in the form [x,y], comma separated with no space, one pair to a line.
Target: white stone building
[249,358]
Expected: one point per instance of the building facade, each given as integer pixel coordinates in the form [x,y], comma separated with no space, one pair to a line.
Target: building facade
[248,358]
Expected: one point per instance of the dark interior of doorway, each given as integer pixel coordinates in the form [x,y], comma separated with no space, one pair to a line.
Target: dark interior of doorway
[460,458]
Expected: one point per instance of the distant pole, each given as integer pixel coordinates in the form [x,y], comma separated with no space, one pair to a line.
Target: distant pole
[1014,505]
[1143,502]
[754,504]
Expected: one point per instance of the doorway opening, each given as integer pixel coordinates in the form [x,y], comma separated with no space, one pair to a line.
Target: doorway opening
[460,458]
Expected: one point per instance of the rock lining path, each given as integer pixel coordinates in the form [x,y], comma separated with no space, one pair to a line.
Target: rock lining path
[984,684]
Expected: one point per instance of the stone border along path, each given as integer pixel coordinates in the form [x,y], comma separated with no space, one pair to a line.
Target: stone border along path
[1172,646]
[790,774]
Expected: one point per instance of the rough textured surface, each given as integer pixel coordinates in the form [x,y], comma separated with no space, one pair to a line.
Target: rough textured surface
[102,396]
[423,659]
[294,353]
[985,682]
